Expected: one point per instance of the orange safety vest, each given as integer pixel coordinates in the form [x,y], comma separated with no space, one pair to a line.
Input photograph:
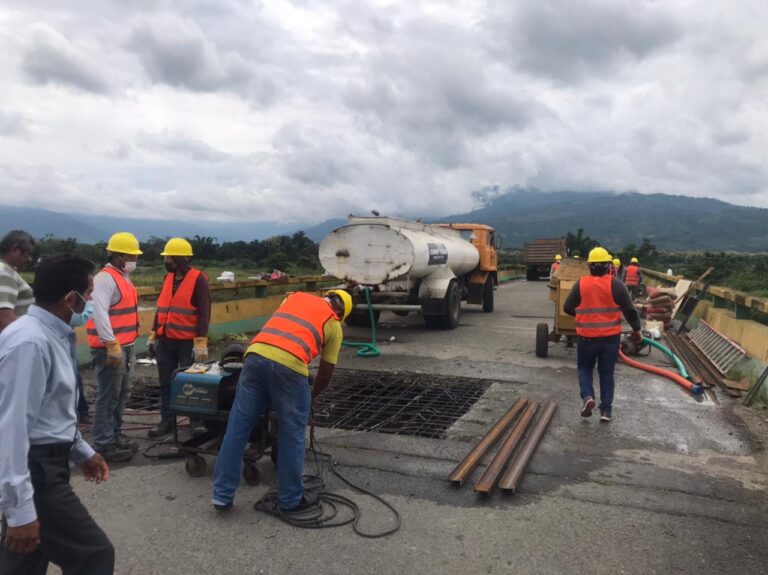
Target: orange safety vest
[123,316]
[598,315]
[176,316]
[555,266]
[633,275]
[297,326]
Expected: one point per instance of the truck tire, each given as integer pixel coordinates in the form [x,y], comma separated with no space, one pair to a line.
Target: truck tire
[449,319]
[362,318]
[532,275]
[488,294]
[542,339]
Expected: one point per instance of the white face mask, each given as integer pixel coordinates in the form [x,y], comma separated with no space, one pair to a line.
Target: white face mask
[130,267]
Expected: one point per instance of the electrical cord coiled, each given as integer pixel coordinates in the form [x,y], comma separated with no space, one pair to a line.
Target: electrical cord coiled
[324,507]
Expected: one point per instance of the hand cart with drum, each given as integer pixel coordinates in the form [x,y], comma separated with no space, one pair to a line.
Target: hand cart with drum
[210,396]
[560,285]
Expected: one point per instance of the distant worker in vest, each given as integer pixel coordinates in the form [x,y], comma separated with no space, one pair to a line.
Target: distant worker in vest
[15,294]
[179,333]
[112,331]
[276,373]
[633,277]
[619,269]
[598,302]
[555,265]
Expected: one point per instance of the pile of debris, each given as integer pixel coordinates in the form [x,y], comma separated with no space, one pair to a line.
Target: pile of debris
[507,466]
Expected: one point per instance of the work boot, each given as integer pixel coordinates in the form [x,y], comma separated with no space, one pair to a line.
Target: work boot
[589,405]
[125,442]
[165,427]
[308,508]
[113,453]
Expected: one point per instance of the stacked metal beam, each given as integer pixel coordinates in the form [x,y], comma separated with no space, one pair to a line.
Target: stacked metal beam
[530,422]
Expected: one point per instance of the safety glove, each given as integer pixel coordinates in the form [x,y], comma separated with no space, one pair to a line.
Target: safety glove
[200,349]
[114,354]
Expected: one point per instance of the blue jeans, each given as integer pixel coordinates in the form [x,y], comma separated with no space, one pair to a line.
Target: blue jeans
[264,383]
[114,389]
[604,351]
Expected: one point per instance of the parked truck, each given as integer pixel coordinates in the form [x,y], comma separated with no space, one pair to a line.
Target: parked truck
[412,267]
[539,255]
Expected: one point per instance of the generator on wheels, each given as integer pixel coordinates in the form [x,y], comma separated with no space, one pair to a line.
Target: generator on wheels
[209,396]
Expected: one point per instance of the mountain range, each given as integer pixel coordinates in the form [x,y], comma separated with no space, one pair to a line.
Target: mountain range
[614,219]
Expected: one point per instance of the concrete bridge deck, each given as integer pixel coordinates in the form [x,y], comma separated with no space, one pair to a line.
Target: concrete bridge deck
[672,485]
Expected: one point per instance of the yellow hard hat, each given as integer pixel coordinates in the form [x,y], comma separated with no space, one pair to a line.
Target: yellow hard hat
[558,257]
[598,256]
[616,262]
[124,243]
[634,260]
[345,297]
[177,247]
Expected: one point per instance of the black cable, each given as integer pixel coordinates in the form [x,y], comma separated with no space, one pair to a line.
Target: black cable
[328,505]
[175,453]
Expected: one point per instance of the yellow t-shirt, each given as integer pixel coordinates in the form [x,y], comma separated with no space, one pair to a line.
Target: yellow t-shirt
[333,335]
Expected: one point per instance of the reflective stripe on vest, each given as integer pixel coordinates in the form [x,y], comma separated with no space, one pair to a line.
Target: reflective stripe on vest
[598,315]
[297,326]
[633,275]
[176,316]
[123,316]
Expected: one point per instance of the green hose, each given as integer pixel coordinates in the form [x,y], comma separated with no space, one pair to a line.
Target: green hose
[668,352]
[366,349]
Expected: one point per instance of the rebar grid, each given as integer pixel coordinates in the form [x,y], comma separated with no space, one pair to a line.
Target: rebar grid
[396,402]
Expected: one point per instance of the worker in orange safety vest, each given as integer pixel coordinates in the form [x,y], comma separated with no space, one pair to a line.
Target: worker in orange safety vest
[633,277]
[555,265]
[112,331]
[276,373]
[179,333]
[598,302]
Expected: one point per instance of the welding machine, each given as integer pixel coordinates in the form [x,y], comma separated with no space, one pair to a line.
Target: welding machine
[209,395]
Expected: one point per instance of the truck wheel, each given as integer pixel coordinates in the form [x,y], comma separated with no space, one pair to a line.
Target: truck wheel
[542,340]
[532,275]
[449,319]
[488,294]
[452,306]
[362,319]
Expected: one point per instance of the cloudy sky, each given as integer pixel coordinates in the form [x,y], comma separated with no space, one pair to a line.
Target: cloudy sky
[296,111]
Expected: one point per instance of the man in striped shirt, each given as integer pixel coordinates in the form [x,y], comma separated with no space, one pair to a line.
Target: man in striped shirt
[15,294]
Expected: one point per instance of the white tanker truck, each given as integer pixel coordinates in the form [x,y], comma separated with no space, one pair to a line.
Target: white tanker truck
[412,266]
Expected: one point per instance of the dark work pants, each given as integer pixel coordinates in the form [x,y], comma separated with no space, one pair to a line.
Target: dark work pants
[170,354]
[604,351]
[69,537]
[82,404]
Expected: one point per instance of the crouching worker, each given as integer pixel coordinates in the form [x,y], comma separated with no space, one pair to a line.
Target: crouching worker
[43,519]
[276,373]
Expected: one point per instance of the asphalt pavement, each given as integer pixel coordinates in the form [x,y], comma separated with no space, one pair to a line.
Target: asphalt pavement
[674,484]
